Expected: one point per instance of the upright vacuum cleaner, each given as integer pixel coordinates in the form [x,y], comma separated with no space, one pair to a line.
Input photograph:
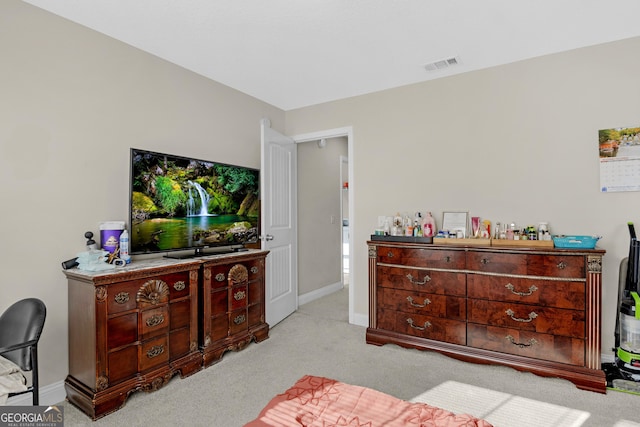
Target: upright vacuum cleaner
[625,373]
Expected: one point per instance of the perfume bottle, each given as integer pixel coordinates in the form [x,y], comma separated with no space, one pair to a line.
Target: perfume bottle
[417,224]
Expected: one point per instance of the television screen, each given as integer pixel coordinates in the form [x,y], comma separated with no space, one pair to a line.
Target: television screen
[179,203]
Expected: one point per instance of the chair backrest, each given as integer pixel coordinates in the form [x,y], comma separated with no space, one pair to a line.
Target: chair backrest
[22,322]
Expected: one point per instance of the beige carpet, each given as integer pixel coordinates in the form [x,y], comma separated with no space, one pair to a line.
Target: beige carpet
[318,340]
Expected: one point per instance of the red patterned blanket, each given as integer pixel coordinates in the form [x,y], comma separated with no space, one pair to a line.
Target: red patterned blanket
[317,401]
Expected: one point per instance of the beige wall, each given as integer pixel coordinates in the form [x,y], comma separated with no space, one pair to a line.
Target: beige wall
[319,194]
[511,143]
[72,104]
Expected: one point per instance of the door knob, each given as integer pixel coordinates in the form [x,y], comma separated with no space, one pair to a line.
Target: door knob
[268,237]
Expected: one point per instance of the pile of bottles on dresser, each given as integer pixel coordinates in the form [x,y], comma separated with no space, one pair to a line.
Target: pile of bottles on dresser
[530,232]
[425,226]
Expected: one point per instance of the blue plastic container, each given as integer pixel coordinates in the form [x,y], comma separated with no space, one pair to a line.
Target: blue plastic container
[580,242]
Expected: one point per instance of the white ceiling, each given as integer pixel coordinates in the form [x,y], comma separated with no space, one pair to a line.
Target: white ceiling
[295,53]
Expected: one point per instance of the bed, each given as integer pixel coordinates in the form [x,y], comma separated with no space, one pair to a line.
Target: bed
[317,401]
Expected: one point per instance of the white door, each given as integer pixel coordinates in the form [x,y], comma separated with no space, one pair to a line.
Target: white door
[279,222]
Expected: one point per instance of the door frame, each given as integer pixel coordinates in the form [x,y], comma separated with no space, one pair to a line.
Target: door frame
[344,159]
[336,133]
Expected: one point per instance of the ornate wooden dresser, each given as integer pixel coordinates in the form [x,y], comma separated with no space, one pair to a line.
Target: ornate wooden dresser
[133,328]
[535,310]
[232,304]
[130,329]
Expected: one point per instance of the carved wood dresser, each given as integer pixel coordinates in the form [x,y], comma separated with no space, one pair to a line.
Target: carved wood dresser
[134,328]
[535,310]
[130,329]
[232,304]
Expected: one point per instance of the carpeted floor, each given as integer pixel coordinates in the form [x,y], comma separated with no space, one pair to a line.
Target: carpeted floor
[318,340]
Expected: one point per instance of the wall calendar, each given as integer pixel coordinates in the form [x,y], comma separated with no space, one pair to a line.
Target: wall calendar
[619,150]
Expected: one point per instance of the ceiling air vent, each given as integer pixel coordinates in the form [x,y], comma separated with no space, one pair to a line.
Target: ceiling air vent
[442,64]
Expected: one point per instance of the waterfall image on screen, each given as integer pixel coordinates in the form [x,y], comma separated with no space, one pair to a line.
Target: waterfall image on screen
[182,203]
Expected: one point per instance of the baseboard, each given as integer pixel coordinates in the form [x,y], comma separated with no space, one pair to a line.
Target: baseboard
[49,395]
[319,293]
[360,320]
[607,358]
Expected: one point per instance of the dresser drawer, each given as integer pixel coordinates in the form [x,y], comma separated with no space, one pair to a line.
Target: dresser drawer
[497,262]
[556,266]
[178,285]
[218,276]
[122,330]
[434,258]
[546,320]
[256,291]
[553,293]
[413,279]
[154,321]
[122,296]
[219,301]
[527,344]
[238,321]
[153,352]
[238,297]
[179,343]
[123,364]
[180,314]
[256,315]
[219,327]
[423,303]
[423,326]
[254,269]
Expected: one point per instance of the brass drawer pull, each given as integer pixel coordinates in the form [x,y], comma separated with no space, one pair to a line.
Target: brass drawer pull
[447,259]
[179,285]
[254,270]
[240,295]
[122,297]
[484,261]
[532,316]
[426,302]
[427,324]
[239,319]
[220,277]
[562,265]
[520,344]
[418,282]
[155,320]
[512,288]
[390,254]
[155,351]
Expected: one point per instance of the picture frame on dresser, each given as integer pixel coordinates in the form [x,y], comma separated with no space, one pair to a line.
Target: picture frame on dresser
[454,221]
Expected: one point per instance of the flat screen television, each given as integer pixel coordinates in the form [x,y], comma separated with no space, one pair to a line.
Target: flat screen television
[181,203]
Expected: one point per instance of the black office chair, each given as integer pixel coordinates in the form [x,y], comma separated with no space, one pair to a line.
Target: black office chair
[20,329]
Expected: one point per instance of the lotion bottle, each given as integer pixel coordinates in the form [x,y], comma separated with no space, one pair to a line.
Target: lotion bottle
[429,226]
[124,246]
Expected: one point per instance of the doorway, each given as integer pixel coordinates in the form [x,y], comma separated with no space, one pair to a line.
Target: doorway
[347,208]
